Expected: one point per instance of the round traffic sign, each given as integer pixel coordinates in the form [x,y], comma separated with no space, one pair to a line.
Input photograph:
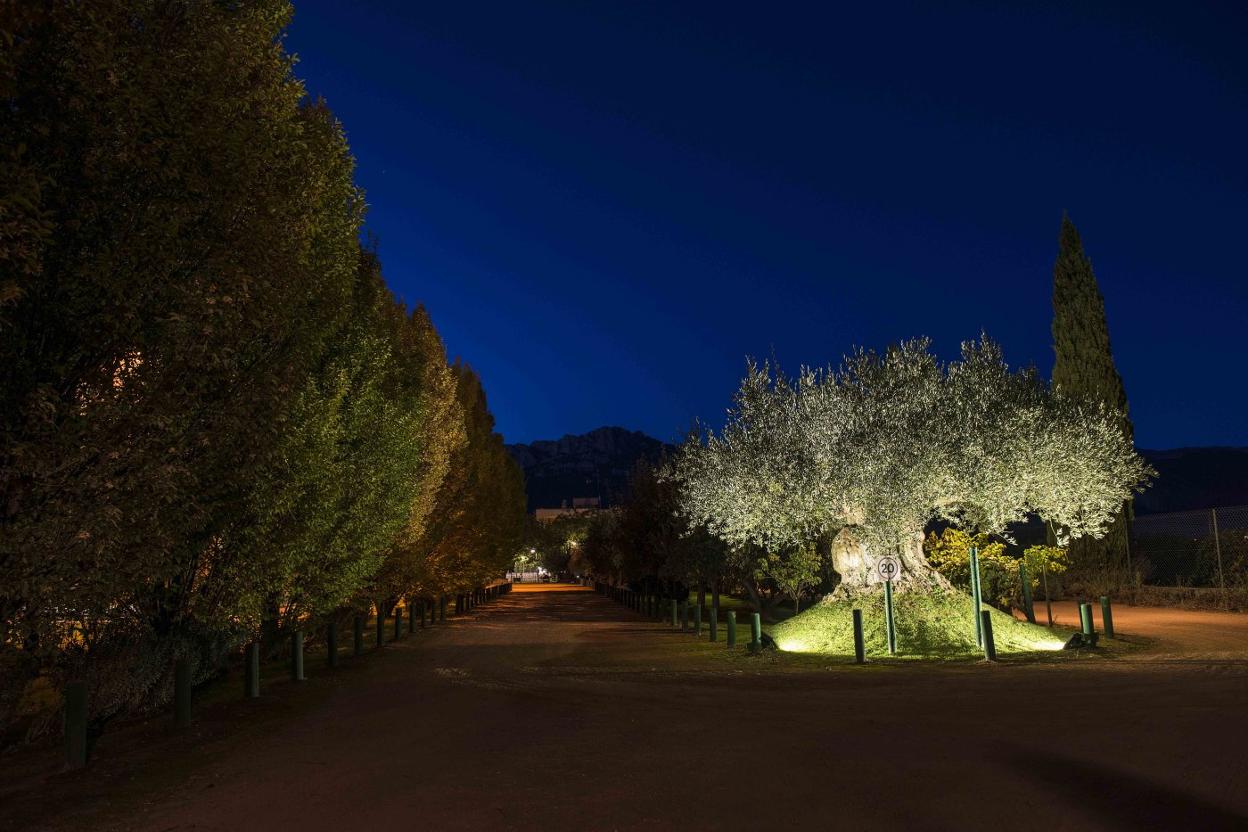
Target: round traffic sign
[888,568]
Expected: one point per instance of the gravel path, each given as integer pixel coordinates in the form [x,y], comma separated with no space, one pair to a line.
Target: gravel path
[554,708]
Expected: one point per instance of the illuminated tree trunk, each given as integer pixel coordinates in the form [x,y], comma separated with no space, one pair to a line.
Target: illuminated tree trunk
[856,564]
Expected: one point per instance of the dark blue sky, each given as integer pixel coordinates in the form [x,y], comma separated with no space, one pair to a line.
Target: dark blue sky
[607,206]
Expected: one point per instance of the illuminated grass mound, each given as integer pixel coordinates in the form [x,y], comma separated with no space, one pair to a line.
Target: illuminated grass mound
[935,624]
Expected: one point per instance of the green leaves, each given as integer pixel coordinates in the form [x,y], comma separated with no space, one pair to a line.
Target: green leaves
[215,415]
[890,441]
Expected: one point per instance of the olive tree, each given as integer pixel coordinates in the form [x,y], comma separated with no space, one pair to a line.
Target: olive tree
[869,452]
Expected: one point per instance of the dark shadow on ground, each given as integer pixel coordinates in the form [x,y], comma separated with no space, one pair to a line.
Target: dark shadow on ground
[1122,800]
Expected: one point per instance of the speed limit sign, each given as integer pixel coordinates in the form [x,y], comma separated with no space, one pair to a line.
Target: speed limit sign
[888,567]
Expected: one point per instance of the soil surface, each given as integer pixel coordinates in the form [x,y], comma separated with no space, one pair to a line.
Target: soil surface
[554,708]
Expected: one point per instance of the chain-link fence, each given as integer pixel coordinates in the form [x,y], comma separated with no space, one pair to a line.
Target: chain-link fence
[1198,550]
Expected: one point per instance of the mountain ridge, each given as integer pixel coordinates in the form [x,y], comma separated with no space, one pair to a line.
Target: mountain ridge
[594,464]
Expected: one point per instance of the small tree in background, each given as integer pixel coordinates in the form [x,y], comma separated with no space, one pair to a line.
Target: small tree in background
[793,572]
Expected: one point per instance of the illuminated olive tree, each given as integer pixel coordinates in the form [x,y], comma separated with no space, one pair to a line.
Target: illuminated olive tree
[870,452]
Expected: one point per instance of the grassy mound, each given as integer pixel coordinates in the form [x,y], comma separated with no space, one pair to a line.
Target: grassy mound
[929,625]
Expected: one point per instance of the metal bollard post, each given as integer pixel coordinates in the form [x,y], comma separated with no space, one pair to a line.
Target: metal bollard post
[358,644]
[75,724]
[990,647]
[296,656]
[331,644]
[1085,618]
[714,624]
[1107,617]
[756,633]
[860,648]
[182,693]
[732,628]
[977,601]
[251,676]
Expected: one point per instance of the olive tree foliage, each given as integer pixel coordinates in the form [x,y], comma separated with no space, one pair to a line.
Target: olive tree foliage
[871,451]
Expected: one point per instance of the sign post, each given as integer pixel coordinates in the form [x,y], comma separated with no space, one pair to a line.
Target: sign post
[888,568]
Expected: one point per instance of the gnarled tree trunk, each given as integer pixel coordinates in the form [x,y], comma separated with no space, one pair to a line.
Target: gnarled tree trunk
[856,564]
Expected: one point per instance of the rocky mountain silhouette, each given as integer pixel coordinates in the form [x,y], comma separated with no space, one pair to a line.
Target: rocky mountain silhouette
[594,464]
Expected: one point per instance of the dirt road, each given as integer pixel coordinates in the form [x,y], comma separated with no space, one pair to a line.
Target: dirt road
[554,708]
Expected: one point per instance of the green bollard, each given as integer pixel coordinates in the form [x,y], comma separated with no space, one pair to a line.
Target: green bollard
[697,620]
[331,644]
[756,633]
[976,598]
[1028,607]
[75,724]
[1107,617]
[714,625]
[860,648]
[674,614]
[1085,618]
[358,644]
[182,693]
[296,656]
[990,647]
[398,623]
[732,628]
[890,625]
[381,629]
[251,676]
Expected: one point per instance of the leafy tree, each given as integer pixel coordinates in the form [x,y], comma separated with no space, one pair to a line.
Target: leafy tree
[188,243]
[1084,368]
[479,514]
[793,571]
[215,415]
[340,492]
[405,569]
[870,453]
[950,553]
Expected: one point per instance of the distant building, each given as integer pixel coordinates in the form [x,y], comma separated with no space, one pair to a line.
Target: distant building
[580,505]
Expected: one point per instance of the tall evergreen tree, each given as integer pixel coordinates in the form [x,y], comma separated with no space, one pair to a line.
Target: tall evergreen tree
[1084,368]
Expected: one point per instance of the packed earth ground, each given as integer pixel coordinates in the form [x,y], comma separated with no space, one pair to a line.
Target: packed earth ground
[554,708]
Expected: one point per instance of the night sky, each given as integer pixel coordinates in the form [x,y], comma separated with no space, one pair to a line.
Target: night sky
[606,206]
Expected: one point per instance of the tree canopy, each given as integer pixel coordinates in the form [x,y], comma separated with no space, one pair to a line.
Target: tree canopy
[874,449]
[216,418]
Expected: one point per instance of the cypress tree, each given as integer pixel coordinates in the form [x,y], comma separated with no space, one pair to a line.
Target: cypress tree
[1084,368]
